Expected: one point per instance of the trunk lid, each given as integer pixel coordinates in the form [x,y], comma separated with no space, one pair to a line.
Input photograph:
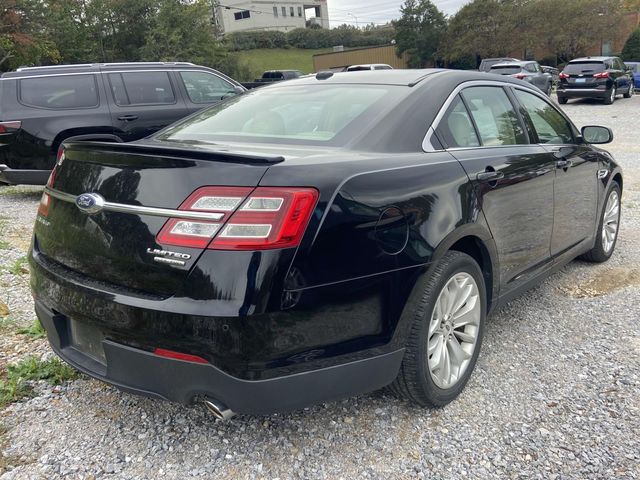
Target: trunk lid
[119,248]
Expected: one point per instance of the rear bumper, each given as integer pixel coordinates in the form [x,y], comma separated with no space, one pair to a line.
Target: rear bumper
[23,177]
[582,92]
[143,373]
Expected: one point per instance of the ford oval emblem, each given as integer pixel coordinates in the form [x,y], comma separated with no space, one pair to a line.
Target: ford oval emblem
[90,203]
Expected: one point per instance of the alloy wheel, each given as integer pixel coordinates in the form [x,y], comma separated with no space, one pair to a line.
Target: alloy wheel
[453,330]
[610,221]
[613,94]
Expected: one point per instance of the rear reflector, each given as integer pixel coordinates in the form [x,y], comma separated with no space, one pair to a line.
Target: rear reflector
[179,356]
[10,127]
[265,218]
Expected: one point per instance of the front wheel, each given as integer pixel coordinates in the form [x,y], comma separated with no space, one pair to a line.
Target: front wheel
[446,335]
[630,92]
[608,227]
[611,96]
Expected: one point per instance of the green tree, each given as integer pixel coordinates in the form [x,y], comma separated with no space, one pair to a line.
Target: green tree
[420,31]
[631,49]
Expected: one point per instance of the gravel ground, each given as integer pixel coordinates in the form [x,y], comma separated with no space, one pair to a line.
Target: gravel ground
[556,392]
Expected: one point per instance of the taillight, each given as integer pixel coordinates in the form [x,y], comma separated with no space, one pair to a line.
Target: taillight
[564,76]
[520,76]
[252,219]
[601,75]
[43,208]
[59,160]
[9,127]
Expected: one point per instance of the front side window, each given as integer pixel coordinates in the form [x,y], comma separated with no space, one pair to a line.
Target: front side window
[59,92]
[494,116]
[531,68]
[550,126]
[141,88]
[456,128]
[205,87]
[304,115]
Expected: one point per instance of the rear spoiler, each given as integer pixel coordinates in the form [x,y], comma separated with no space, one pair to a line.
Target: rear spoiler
[181,152]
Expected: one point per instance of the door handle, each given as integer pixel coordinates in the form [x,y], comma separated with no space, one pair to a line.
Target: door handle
[128,118]
[489,176]
[563,163]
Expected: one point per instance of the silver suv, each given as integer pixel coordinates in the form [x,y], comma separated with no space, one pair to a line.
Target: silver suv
[528,71]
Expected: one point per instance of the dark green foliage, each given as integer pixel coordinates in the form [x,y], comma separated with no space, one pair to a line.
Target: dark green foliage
[631,50]
[420,32]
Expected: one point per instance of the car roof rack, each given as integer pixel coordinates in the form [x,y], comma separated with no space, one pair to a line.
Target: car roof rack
[108,64]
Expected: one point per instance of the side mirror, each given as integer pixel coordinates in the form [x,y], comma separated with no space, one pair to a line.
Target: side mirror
[597,135]
[238,90]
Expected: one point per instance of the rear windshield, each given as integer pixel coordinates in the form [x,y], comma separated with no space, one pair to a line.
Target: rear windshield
[308,114]
[584,67]
[507,70]
[59,92]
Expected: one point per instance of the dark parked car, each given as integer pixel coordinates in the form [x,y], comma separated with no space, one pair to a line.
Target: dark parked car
[634,67]
[528,71]
[595,77]
[272,76]
[317,238]
[487,63]
[41,107]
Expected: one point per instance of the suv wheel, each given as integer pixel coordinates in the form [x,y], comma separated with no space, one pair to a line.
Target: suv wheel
[562,100]
[549,89]
[607,234]
[445,338]
[611,96]
[630,92]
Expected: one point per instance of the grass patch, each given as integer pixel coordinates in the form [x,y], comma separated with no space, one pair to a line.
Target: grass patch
[36,330]
[7,324]
[19,267]
[263,59]
[4,245]
[14,383]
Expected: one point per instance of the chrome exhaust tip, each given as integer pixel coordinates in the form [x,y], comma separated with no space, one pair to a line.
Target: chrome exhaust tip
[218,410]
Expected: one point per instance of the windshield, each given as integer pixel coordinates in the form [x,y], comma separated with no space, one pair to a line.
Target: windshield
[584,67]
[307,114]
[506,70]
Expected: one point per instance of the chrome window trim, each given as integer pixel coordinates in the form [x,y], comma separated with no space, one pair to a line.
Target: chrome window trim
[426,143]
[139,210]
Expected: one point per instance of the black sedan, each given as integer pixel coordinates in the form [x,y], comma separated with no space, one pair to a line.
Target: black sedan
[316,239]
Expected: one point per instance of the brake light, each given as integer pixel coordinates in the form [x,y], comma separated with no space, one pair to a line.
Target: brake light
[59,160]
[43,208]
[601,75]
[161,352]
[9,127]
[520,76]
[564,76]
[265,218]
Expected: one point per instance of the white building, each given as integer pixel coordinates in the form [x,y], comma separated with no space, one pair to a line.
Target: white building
[283,15]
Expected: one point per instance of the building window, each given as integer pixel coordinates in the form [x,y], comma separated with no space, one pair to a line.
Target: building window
[607,47]
[242,15]
[275,12]
[284,11]
[292,12]
[300,12]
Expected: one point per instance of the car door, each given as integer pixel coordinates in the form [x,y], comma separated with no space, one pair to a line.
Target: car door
[513,179]
[202,89]
[575,191]
[142,102]
[624,79]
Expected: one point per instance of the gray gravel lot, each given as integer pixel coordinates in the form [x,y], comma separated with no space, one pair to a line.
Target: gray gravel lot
[556,392]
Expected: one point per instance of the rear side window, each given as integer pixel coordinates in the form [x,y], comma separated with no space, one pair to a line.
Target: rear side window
[205,87]
[550,126]
[575,68]
[141,88]
[59,92]
[494,116]
[456,128]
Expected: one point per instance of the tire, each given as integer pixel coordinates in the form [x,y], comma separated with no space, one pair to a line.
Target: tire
[611,96]
[630,91]
[549,89]
[416,381]
[562,100]
[604,248]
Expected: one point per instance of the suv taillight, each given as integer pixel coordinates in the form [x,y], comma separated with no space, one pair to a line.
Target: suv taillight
[520,76]
[45,200]
[253,219]
[564,76]
[601,75]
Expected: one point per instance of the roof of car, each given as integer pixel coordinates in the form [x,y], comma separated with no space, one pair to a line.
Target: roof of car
[597,59]
[96,67]
[519,63]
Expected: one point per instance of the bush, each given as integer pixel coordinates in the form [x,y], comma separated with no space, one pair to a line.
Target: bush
[631,49]
[252,40]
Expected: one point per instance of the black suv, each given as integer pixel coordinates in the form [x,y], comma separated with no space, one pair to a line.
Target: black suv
[40,107]
[595,77]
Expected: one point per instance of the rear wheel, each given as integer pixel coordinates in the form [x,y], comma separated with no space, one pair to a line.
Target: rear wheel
[446,335]
[611,96]
[562,100]
[630,92]
[607,234]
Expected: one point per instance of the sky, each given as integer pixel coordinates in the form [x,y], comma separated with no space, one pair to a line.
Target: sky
[377,11]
